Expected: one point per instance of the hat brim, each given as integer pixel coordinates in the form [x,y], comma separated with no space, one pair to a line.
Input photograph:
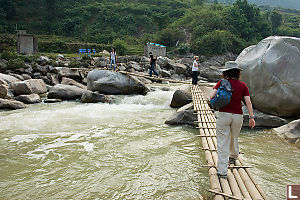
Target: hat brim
[224,70]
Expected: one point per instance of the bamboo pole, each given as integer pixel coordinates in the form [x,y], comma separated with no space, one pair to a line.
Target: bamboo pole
[214,181]
[254,193]
[263,194]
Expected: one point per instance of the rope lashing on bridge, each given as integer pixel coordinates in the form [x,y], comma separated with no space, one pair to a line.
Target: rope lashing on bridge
[239,184]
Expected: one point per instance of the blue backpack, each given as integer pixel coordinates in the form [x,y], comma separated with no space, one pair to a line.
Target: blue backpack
[223,95]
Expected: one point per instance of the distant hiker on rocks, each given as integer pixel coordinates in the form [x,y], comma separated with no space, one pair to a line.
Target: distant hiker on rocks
[230,118]
[195,69]
[113,59]
[152,65]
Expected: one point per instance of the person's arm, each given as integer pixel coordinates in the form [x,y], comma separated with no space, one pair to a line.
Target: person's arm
[250,110]
[213,94]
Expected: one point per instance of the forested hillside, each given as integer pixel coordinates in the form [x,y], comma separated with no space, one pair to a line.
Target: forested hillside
[292,4]
[182,25]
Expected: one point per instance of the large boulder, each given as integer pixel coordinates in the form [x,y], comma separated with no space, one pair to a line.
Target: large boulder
[108,82]
[211,73]
[178,67]
[181,97]
[184,115]
[271,70]
[263,120]
[135,66]
[7,79]
[290,132]
[11,104]
[31,86]
[3,91]
[65,92]
[29,99]
[94,97]
[68,72]
[68,81]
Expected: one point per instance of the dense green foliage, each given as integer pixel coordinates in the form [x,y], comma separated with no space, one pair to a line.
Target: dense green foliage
[126,25]
[292,4]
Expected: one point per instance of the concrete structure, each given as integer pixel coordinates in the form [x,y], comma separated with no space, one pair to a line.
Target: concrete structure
[26,43]
[156,49]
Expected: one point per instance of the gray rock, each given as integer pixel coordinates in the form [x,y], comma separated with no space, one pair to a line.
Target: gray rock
[163,61]
[183,117]
[108,82]
[32,86]
[42,69]
[290,132]
[187,61]
[178,67]
[68,81]
[54,78]
[11,104]
[26,76]
[181,97]
[212,73]
[7,79]
[3,91]
[145,60]
[29,99]
[263,120]
[37,75]
[28,70]
[17,76]
[65,92]
[43,58]
[271,71]
[122,67]
[67,72]
[93,97]
[135,66]
[165,89]
[52,100]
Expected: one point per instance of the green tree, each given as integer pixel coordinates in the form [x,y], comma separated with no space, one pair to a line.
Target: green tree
[276,20]
[170,36]
[120,46]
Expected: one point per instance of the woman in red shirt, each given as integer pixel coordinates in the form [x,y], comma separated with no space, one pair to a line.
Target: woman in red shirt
[230,118]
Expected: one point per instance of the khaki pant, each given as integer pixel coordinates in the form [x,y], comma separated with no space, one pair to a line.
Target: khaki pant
[228,129]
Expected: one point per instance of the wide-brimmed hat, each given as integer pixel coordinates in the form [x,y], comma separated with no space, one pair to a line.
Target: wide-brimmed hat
[230,65]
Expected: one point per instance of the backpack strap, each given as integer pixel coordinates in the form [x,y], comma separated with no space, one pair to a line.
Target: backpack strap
[225,83]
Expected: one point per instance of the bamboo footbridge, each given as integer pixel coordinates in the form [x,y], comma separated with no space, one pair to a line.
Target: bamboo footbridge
[240,184]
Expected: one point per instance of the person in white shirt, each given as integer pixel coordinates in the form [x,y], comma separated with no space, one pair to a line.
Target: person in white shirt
[195,69]
[113,59]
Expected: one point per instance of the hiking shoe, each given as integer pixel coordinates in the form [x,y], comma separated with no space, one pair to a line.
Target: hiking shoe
[232,160]
[222,176]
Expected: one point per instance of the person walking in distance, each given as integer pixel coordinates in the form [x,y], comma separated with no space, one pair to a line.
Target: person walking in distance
[230,118]
[152,64]
[113,59]
[195,69]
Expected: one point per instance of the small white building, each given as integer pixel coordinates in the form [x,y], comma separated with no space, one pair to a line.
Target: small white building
[27,44]
[156,49]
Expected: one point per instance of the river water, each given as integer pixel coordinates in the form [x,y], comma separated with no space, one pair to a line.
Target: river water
[124,150]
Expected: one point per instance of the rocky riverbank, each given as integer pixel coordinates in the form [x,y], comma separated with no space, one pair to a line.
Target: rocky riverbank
[54,80]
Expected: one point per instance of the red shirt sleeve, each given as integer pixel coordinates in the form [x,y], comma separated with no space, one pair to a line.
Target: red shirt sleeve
[217,85]
[246,90]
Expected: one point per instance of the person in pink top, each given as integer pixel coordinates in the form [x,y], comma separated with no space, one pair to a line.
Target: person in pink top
[230,118]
